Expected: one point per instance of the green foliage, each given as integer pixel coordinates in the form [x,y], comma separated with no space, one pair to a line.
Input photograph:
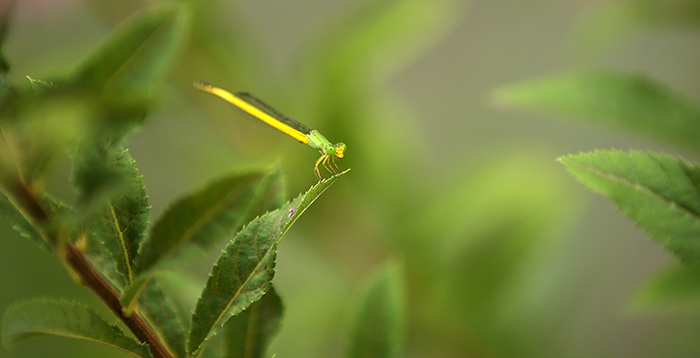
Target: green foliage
[36,318]
[244,271]
[627,101]
[206,217]
[249,333]
[119,218]
[21,225]
[202,219]
[378,330]
[674,290]
[89,115]
[658,192]
[164,317]
[619,19]
[135,53]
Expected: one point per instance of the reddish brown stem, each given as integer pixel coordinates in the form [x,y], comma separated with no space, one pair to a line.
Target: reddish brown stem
[91,278]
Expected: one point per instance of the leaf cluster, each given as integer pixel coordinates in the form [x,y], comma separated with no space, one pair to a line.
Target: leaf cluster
[659,192]
[105,237]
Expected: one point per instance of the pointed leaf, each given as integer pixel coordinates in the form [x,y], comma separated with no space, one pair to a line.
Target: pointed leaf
[37,318]
[379,321]
[249,333]
[121,225]
[626,101]
[674,290]
[136,52]
[658,192]
[206,217]
[164,318]
[244,271]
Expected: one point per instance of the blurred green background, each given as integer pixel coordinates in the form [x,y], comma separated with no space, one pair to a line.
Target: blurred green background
[505,254]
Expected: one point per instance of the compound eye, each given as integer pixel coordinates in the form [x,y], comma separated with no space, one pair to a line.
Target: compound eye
[330,150]
[340,150]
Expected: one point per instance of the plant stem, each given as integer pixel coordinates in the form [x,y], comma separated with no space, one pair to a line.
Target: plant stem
[92,279]
[33,207]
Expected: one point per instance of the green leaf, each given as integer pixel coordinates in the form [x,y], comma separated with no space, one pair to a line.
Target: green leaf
[380,36]
[21,225]
[135,53]
[164,318]
[182,289]
[379,321]
[6,10]
[659,192]
[201,219]
[249,333]
[622,100]
[619,19]
[121,224]
[33,231]
[674,290]
[37,318]
[244,271]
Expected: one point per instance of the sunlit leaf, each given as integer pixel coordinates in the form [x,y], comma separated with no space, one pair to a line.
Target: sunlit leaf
[380,318]
[37,318]
[622,100]
[660,193]
[244,271]
[249,333]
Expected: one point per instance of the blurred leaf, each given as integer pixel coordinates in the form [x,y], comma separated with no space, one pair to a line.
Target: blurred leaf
[249,333]
[96,181]
[206,217]
[183,291]
[659,192]
[380,36]
[130,295]
[489,231]
[618,19]
[37,318]
[626,101]
[675,290]
[135,53]
[6,10]
[164,318]
[21,225]
[57,211]
[346,69]
[120,226]
[38,128]
[244,271]
[379,328]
